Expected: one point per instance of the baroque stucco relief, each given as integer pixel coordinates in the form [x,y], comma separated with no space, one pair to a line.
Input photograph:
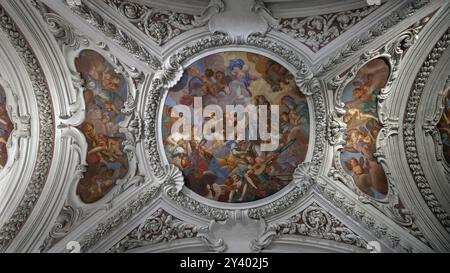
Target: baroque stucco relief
[129,163]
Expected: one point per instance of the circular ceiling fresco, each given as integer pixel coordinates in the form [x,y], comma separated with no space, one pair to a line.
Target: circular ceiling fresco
[236,125]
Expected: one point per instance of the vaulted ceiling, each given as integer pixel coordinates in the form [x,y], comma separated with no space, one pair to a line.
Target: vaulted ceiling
[86,89]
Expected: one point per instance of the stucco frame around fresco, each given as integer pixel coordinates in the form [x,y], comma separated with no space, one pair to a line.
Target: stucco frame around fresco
[392,55]
[173,72]
[154,185]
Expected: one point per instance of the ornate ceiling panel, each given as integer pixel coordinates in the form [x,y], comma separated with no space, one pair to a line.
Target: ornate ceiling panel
[45,125]
[353,97]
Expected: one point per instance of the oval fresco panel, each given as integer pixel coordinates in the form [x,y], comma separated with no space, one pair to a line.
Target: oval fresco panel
[236,168]
[105,94]
[444,128]
[363,126]
[6,126]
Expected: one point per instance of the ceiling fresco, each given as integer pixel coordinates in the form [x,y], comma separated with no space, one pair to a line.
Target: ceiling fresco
[6,127]
[231,168]
[104,96]
[362,122]
[224,126]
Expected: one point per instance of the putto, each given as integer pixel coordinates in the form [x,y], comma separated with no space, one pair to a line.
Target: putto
[248,122]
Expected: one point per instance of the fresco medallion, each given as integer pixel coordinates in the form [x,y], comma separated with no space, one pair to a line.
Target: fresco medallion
[105,95]
[363,127]
[240,163]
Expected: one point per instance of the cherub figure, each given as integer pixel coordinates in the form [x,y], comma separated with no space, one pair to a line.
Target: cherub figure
[361,178]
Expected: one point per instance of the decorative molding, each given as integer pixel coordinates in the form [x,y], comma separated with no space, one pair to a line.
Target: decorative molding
[173,179]
[260,8]
[162,80]
[110,30]
[70,214]
[214,245]
[318,31]
[173,70]
[220,236]
[430,124]
[69,41]
[251,15]
[131,126]
[46,130]
[392,53]
[214,7]
[63,225]
[159,25]
[336,129]
[161,227]
[134,206]
[377,30]
[313,221]
[395,52]
[61,30]
[166,182]
[199,208]
[409,130]
[359,213]
[21,126]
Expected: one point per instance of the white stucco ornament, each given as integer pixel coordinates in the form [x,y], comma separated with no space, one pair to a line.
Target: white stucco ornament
[239,19]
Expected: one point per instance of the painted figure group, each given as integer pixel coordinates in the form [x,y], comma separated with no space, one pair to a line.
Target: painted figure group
[104,96]
[237,170]
[363,126]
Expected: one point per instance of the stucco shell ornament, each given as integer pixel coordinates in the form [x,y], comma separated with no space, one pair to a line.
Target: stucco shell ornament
[229,194]
[220,182]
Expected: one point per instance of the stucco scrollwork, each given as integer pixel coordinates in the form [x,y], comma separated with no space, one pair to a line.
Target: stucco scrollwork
[214,7]
[318,31]
[313,221]
[409,130]
[360,214]
[21,123]
[377,30]
[172,72]
[134,206]
[118,35]
[259,8]
[160,227]
[62,31]
[220,236]
[161,25]
[335,129]
[392,53]
[146,206]
[430,125]
[131,127]
[63,225]
[46,124]
[69,40]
